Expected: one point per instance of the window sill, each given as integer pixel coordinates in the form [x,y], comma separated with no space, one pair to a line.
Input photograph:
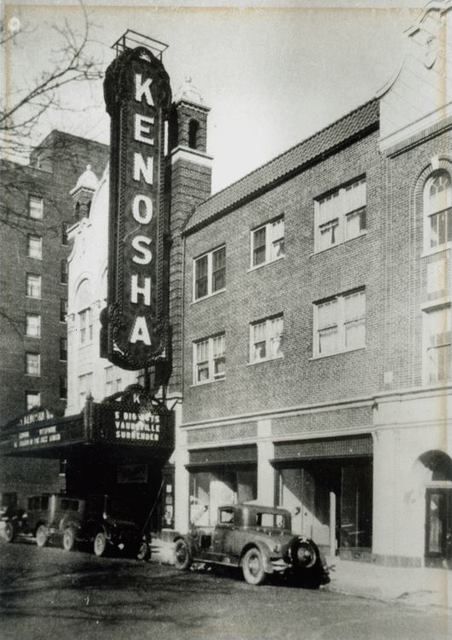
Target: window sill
[34,337]
[265,264]
[33,298]
[339,244]
[210,295]
[33,375]
[207,382]
[252,364]
[336,353]
[434,304]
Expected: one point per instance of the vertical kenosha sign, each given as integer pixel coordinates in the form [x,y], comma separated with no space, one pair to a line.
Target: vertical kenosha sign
[135,324]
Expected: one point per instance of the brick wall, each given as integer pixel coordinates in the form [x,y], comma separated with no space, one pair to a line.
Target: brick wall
[289,285]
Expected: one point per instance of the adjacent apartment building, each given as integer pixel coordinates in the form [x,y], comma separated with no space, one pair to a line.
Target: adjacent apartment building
[317,327]
[36,209]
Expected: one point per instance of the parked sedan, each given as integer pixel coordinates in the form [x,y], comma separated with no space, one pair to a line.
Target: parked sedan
[257,539]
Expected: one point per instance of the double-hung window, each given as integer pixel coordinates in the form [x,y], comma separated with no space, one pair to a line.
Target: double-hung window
[266,338]
[33,283]
[340,323]
[33,364]
[341,215]
[438,211]
[209,273]
[209,359]
[33,325]
[35,207]
[32,399]
[34,247]
[438,345]
[267,242]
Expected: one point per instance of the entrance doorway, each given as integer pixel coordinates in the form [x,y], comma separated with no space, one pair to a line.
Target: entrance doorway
[439,527]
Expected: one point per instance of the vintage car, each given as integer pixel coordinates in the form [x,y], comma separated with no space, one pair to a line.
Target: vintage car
[258,540]
[96,520]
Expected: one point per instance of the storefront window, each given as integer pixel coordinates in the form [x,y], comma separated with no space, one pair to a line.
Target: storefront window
[213,488]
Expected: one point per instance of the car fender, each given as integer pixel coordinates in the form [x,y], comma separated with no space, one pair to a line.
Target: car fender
[264,549]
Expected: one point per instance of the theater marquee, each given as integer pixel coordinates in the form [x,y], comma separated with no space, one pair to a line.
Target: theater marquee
[135,325]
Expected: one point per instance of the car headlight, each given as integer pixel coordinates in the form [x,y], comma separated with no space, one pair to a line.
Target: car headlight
[277,548]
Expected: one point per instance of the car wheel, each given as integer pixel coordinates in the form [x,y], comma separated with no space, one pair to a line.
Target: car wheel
[100,544]
[9,532]
[69,539]
[182,557]
[304,554]
[41,536]
[253,566]
[144,552]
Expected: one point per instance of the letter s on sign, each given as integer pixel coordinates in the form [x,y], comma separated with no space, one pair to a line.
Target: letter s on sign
[137,244]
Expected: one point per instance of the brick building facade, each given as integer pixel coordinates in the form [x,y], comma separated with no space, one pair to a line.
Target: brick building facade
[317,327]
[36,210]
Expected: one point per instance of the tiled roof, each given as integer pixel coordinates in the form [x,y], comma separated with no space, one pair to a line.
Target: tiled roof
[353,125]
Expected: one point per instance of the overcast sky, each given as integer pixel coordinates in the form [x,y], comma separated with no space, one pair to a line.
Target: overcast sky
[272,72]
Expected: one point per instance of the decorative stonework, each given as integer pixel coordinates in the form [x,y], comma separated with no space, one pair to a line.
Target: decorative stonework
[238,431]
[322,421]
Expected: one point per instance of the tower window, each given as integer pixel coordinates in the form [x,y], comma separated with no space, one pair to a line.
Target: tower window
[193,134]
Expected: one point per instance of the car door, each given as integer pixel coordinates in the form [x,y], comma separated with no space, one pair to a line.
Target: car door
[223,547]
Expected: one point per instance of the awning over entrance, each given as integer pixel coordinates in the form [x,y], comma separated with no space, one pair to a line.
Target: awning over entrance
[130,423]
[353,446]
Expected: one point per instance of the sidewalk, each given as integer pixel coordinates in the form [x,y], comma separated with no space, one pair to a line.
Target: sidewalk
[413,586]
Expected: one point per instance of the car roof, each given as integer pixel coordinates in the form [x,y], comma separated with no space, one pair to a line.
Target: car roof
[256,507]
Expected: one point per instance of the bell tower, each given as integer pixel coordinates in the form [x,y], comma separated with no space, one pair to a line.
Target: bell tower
[189,178]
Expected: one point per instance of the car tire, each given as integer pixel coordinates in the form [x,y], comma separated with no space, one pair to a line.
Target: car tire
[42,536]
[182,556]
[144,552]
[100,544]
[9,532]
[304,554]
[253,566]
[69,539]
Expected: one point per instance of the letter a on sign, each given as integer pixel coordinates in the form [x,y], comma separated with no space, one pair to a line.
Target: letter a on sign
[140,332]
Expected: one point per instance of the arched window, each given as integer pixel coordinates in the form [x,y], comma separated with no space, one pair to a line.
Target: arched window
[438,210]
[84,312]
[193,130]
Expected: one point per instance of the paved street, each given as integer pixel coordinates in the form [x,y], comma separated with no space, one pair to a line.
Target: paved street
[47,593]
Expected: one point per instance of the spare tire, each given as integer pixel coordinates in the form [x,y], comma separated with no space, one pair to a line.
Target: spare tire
[304,554]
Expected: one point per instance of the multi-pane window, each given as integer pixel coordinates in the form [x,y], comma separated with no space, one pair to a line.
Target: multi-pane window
[34,247]
[32,399]
[33,325]
[33,283]
[438,211]
[36,207]
[63,349]
[33,364]
[340,323]
[341,215]
[438,345]
[209,273]
[266,337]
[64,271]
[86,326]
[63,309]
[209,359]
[267,242]
[113,380]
